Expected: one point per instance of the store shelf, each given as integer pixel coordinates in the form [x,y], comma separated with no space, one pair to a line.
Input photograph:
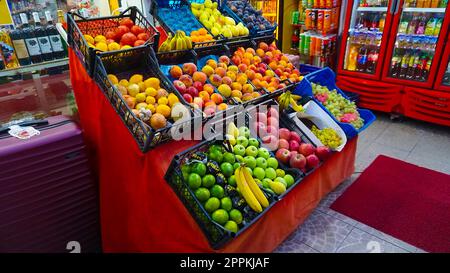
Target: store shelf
[417,35]
[33,67]
[372,9]
[437,10]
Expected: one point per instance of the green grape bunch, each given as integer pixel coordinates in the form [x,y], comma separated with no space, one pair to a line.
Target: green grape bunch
[327,136]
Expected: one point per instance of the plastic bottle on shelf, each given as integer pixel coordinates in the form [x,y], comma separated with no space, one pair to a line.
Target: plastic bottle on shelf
[426,68]
[413,60]
[352,58]
[403,26]
[421,25]
[437,27]
[412,26]
[395,65]
[374,22]
[362,59]
[431,24]
[404,65]
[381,22]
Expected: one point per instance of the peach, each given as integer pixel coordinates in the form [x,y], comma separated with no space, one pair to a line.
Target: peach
[236,60]
[222,72]
[250,50]
[204,95]
[233,68]
[263,46]
[208,88]
[189,68]
[260,52]
[242,78]
[256,95]
[223,65]
[240,49]
[199,77]
[131,101]
[256,60]
[208,70]
[247,97]
[227,80]
[187,80]
[232,75]
[199,102]
[224,59]
[246,61]
[236,86]
[273,65]
[225,90]
[247,88]
[258,76]
[212,63]
[236,94]
[222,106]
[250,74]
[215,79]
[210,104]
[217,98]
[270,73]
[248,56]
[175,71]
[242,67]
[256,83]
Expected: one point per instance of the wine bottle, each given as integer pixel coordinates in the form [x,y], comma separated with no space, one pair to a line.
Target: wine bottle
[43,39]
[18,41]
[34,50]
[59,49]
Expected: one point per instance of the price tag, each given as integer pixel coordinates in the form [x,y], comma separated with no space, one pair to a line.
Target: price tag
[23,132]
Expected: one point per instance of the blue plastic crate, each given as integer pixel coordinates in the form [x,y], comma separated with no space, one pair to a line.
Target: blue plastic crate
[326,77]
[305,69]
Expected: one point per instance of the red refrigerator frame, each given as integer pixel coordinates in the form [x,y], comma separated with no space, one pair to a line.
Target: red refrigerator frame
[443,67]
[383,47]
[437,54]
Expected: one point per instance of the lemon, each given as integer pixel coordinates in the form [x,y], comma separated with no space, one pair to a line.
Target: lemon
[100,38]
[125,47]
[215,31]
[229,21]
[163,110]
[133,90]
[150,100]
[151,107]
[101,46]
[136,78]
[140,97]
[231,226]
[152,82]
[173,99]
[114,80]
[89,39]
[113,46]
[141,86]
[163,101]
[124,83]
[235,31]
[150,91]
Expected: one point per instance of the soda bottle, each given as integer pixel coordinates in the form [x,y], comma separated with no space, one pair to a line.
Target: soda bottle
[413,60]
[318,50]
[395,65]
[352,58]
[426,69]
[404,65]
[412,26]
[372,59]
[301,48]
[362,59]
[437,28]
[421,26]
[403,27]
[312,46]
[419,68]
[307,43]
[374,22]
[381,22]
[431,24]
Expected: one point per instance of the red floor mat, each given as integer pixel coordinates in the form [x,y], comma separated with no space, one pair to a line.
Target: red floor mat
[403,200]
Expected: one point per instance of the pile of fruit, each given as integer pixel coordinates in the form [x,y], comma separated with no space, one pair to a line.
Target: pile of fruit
[126,35]
[341,108]
[194,89]
[258,160]
[201,35]
[257,71]
[327,136]
[216,22]
[148,101]
[230,80]
[278,62]
[252,18]
[179,42]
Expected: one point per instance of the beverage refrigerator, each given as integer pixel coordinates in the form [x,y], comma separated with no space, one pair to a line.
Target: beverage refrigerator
[390,46]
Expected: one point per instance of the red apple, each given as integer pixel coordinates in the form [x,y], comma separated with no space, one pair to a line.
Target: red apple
[270,142]
[273,112]
[295,136]
[271,130]
[312,161]
[198,86]
[323,152]
[187,98]
[186,79]
[192,91]
[283,143]
[180,86]
[273,121]
[283,155]
[261,117]
[284,133]
[259,129]
[293,145]
[306,149]
[297,161]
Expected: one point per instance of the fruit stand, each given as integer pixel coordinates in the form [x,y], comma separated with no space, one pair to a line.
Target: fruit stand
[162,195]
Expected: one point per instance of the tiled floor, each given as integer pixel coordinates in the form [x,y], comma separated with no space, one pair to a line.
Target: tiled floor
[326,230]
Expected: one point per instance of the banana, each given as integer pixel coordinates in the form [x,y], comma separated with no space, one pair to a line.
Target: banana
[188,42]
[173,42]
[255,188]
[165,46]
[296,97]
[180,42]
[295,106]
[246,191]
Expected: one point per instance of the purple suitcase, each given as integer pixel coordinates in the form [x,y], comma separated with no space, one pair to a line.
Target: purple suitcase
[48,196]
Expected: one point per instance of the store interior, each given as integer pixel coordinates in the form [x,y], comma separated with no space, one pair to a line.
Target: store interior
[236,126]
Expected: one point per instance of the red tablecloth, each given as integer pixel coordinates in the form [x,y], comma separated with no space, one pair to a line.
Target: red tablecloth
[139,210]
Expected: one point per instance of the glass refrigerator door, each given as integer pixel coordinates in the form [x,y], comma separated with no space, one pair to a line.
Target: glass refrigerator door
[421,24]
[365,34]
[446,78]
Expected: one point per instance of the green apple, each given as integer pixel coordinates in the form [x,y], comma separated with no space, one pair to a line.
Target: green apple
[250,162]
[229,157]
[231,139]
[242,140]
[244,131]
[253,142]
[259,173]
[251,151]
[236,165]
[272,163]
[289,179]
[261,162]
[281,180]
[265,182]
[270,173]
[264,153]
[216,155]
[239,150]
[239,158]
[280,172]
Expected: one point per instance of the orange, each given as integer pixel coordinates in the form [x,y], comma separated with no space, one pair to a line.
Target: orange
[163,110]
[202,31]
[208,37]
[222,106]
[194,39]
[158,121]
[195,33]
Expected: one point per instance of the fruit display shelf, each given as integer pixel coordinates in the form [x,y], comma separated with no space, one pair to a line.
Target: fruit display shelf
[187,176]
[78,26]
[326,77]
[244,12]
[123,65]
[177,15]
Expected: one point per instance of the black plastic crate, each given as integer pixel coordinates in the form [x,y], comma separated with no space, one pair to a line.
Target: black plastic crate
[77,26]
[124,64]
